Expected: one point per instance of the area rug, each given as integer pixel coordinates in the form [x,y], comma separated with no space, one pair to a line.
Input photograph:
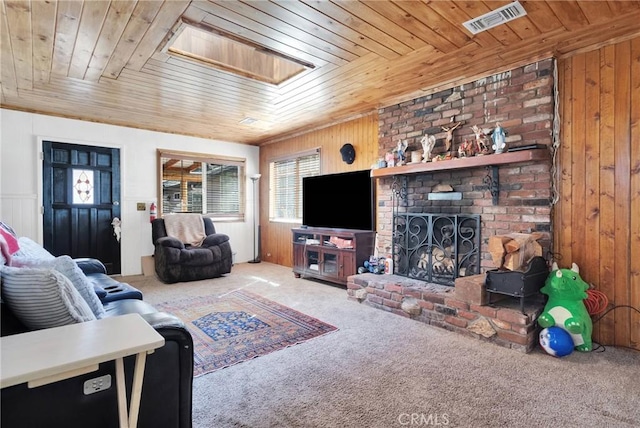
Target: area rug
[238,326]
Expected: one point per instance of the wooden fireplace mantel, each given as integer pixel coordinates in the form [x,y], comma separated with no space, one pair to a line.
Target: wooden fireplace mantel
[489,161]
[464,163]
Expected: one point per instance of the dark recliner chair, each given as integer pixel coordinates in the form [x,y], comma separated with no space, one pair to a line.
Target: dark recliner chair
[176,262]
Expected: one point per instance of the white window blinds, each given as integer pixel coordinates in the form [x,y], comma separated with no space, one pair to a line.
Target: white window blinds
[223,189]
[201,184]
[285,196]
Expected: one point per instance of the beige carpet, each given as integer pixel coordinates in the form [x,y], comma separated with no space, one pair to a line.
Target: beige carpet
[382,370]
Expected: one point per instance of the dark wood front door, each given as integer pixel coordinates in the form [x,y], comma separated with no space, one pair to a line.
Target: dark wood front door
[81,197]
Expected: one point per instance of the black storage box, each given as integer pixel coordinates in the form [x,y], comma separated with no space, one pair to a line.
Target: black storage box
[518,284]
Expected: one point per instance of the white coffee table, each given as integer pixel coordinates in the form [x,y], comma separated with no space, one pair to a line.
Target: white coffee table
[45,356]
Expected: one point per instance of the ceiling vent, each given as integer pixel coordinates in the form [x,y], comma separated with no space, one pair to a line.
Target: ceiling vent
[495,17]
[248,121]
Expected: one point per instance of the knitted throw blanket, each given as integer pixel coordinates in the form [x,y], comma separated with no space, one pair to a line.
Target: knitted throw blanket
[188,228]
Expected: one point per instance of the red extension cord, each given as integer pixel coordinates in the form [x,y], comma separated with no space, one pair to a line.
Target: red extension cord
[596,301]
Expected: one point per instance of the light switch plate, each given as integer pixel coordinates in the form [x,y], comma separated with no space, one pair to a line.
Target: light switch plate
[142,206]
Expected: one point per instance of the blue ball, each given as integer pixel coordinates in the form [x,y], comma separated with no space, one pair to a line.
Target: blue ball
[556,341]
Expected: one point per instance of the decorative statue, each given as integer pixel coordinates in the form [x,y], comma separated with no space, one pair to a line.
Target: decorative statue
[117,228]
[499,139]
[428,143]
[466,149]
[481,140]
[462,153]
[449,129]
[390,159]
[565,307]
[400,152]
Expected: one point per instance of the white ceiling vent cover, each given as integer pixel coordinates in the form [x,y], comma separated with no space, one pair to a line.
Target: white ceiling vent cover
[495,17]
[248,121]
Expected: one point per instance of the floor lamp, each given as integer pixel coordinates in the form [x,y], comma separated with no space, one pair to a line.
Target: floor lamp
[256,257]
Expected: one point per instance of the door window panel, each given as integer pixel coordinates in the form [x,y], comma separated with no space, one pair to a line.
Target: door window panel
[82,186]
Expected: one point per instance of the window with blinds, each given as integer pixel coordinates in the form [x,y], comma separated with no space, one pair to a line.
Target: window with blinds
[285,184]
[196,183]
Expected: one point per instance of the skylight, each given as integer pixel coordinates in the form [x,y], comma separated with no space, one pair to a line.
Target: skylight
[234,55]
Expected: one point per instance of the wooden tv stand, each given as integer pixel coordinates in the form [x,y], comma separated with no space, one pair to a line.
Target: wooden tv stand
[330,254]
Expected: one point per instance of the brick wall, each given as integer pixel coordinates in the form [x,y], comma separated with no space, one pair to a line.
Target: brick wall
[522,101]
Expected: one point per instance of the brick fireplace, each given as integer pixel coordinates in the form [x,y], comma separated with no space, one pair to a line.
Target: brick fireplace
[507,198]
[522,101]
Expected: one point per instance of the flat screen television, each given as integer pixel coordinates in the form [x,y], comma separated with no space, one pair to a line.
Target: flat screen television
[341,201]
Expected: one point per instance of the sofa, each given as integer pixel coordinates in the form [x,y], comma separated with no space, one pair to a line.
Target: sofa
[179,261]
[167,388]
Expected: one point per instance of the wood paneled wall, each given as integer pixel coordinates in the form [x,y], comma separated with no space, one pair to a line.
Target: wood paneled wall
[362,133]
[597,218]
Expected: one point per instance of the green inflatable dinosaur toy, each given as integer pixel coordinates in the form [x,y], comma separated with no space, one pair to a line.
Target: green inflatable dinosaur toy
[565,307]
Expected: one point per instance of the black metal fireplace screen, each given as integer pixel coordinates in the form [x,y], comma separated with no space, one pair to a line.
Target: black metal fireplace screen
[436,247]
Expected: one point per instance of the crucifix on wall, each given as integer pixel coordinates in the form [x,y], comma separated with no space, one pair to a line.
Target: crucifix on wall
[449,130]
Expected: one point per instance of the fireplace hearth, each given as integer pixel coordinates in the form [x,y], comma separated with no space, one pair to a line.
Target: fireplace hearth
[436,248]
[462,309]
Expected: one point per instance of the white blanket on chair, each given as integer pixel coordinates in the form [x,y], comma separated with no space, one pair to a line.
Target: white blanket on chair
[188,228]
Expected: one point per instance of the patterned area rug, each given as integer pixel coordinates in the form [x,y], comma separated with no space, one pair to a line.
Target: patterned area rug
[237,326]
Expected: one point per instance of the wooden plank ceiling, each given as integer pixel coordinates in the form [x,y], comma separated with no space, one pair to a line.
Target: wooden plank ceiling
[107,61]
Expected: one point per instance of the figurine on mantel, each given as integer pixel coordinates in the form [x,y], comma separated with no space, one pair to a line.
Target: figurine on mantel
[428,143]
[499,139]
[449,130]
[401,152]
[466,149]
[390,159]
[481,140]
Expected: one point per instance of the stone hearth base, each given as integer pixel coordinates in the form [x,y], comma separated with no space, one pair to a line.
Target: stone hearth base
[462,309]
